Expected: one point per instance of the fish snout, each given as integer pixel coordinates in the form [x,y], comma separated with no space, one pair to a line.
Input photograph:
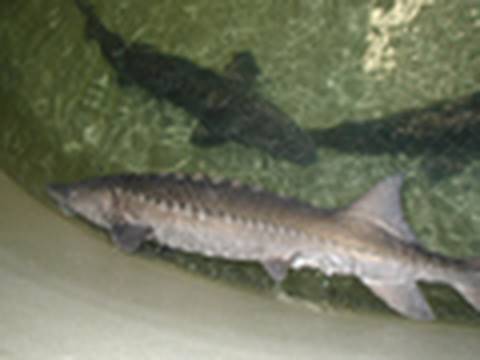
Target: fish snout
[60,193]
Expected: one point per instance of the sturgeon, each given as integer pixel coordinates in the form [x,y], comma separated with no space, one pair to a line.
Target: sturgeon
[368,239]
[225,105]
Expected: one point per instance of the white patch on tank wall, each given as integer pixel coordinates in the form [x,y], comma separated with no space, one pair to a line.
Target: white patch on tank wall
[380,54]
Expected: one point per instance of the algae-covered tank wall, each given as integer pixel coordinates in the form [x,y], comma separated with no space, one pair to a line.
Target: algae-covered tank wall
[380,86]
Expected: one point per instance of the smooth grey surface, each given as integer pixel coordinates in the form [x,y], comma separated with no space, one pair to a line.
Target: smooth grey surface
[67,294]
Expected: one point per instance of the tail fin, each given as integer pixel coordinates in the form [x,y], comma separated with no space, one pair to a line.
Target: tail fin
[405,298]
[84,6]
[88,11]
[111,44]
[469,284]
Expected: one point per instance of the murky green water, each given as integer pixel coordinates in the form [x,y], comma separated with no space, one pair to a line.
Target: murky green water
[326,63]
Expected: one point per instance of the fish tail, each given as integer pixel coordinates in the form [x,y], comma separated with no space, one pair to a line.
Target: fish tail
[468,284]
[111,44]
[87,9]
[84,6]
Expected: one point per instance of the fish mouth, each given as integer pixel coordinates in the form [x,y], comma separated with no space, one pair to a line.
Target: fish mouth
[60,194]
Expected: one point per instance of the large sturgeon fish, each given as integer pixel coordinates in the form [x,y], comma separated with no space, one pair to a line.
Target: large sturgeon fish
[368,239]
[225,105]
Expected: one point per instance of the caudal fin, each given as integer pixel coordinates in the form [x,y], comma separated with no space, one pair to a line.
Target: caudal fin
[87,9]
[93,23]
[84,6]
[405,298]
[111,44]
[469,284]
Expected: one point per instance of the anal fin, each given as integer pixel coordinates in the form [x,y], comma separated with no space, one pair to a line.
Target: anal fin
[405,298]
[469,286]
[204,138]
[129,237]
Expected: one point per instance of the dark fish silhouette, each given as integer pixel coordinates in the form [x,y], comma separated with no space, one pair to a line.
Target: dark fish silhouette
[368,239]
[226,106]
[446,134]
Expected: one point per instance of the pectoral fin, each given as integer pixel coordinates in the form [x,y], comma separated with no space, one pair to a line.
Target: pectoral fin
[404,298]
[276,268]
[129,237]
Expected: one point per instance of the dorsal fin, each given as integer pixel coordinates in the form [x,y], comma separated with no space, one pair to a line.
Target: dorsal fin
[382,205]
[243,68]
